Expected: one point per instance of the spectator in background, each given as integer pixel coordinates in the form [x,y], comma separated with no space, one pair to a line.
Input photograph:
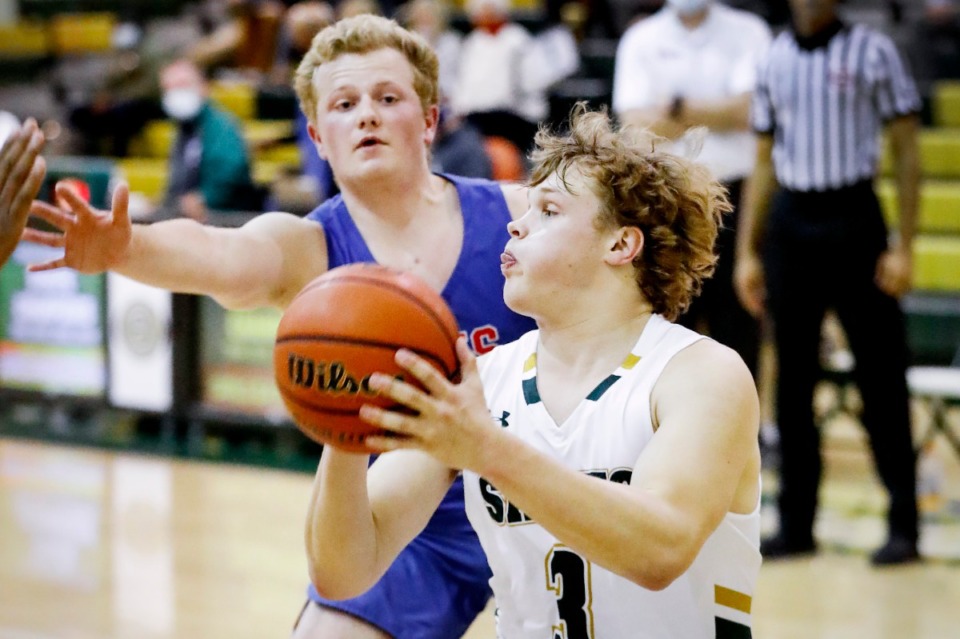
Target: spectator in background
[301,22]
[503,76]
[245,40]
[429,18]
[109,115]
[351,8]
[300,192]
[459,148]
[694,63]
[209,167]
[934,41]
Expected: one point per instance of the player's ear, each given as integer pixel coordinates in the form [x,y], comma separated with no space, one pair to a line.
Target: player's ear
[626,245]
[315,136]
[432,122]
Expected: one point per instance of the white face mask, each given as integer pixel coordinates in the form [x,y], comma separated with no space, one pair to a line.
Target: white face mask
[182,104]
[688,7]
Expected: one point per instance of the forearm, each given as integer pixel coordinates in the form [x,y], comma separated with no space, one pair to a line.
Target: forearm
[908,188]
[632,533]
[727,114]
[755,207]
[653,119]
[187,257]
[340,534]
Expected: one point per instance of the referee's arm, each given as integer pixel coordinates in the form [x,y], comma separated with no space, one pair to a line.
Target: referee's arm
[761,185]
[894,272]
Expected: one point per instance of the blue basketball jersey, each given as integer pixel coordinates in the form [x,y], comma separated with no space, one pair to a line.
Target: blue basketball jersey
[475,295]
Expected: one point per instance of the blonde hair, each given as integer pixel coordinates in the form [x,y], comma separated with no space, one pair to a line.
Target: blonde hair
[675,202]
[363,34]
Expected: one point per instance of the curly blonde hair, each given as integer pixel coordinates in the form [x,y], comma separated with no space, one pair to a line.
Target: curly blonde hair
[675,202]
[363,34]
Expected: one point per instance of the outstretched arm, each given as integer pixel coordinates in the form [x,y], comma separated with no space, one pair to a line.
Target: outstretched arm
[21,174]
[668,505]
[264,263]
[359,521]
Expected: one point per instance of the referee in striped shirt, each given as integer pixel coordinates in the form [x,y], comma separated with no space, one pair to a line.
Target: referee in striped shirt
[823,94]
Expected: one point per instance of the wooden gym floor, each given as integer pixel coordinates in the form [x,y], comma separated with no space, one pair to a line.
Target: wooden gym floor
[96,544]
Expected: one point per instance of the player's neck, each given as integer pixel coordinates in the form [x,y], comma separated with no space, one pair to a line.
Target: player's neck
[394,201]
[593,340]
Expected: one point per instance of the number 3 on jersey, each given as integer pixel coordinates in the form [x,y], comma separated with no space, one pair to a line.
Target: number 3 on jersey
[568,578]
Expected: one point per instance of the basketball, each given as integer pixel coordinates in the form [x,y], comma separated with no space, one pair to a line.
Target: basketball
[346,325]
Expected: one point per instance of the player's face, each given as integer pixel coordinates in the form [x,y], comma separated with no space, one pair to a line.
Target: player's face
[369,121]
[556,250]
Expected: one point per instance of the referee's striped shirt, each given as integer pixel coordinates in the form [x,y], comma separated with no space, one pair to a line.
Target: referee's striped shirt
[824,99]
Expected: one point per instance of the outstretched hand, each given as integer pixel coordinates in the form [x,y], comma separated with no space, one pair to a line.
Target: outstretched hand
[450,421]
[93,241]
[22,170]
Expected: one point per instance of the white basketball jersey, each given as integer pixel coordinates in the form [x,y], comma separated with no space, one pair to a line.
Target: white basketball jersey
[543,589]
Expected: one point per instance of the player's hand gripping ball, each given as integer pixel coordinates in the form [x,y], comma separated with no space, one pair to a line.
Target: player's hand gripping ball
[342,327]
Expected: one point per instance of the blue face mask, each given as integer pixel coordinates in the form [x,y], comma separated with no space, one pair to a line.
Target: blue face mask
[688,7]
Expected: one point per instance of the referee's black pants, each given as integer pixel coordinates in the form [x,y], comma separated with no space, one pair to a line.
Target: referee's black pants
[717,310]
[821,252]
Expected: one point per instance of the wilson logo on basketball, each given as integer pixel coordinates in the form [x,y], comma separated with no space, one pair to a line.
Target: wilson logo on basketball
[326,377]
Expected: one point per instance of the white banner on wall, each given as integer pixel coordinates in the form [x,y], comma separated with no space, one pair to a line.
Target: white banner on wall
[140,345]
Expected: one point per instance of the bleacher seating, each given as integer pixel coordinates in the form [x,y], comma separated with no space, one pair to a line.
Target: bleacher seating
[946,103]
[933,308]
[143,8]
[26,39]
[239,98]
[937,263]
[939,153]
[78,33]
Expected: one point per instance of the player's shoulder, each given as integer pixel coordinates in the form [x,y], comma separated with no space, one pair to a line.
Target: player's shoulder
[707,364]
[325,209]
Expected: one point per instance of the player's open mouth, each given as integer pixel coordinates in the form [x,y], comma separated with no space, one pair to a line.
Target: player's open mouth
[369,141]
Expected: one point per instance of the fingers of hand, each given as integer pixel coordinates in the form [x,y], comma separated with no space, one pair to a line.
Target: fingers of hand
[55,240]
[47,266]
[468,361]
[14,146]
[420,368]
[51,214]
[399,391]
[72,199]
[121,202]
[21,161]
[22,201]
[386,419]
[384,443]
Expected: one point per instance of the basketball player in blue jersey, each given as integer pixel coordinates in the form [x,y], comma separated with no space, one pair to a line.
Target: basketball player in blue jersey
[610,457]
[369,90]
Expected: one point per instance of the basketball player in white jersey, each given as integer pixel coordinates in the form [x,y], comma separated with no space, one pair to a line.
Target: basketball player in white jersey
[610,458]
